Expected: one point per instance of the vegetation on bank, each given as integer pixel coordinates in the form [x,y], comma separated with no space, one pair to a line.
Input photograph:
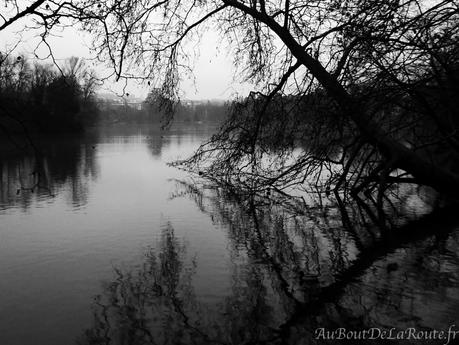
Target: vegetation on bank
[46,98]
[148,111]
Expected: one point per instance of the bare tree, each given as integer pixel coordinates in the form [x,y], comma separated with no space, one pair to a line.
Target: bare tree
[383,66]
[355,51]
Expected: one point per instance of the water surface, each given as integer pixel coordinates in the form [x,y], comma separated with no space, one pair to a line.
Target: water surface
[101,242]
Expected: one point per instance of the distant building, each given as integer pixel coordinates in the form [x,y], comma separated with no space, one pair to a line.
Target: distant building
[108,100]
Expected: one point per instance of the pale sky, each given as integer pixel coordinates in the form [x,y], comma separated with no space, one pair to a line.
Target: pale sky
[214,72]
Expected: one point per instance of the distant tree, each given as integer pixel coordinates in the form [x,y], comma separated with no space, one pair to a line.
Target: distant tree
[83,82]
[39,97]
[41,77]
[88,86]
[63,96]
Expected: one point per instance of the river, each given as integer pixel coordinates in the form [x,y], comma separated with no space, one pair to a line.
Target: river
[101,242]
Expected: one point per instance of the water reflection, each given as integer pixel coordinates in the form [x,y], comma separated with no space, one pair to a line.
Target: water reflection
[62,164]
[69,163]
[228,268]
[292,273]
[157,304]
[158,140]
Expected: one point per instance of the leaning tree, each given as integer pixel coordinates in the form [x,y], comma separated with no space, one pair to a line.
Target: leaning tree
[366,88]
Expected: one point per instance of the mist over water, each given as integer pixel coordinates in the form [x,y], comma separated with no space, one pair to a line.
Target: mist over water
[101,242]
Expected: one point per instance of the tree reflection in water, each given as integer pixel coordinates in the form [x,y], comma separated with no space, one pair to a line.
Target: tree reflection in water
[156,304]
[293,273]
[63,163]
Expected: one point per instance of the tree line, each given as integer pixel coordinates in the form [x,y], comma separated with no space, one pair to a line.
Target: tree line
[46,98]
[156,110]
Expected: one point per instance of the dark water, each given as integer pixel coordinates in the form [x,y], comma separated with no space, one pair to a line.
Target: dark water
[109,245]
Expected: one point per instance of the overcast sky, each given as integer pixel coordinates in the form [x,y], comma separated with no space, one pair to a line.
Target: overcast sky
[213,71]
